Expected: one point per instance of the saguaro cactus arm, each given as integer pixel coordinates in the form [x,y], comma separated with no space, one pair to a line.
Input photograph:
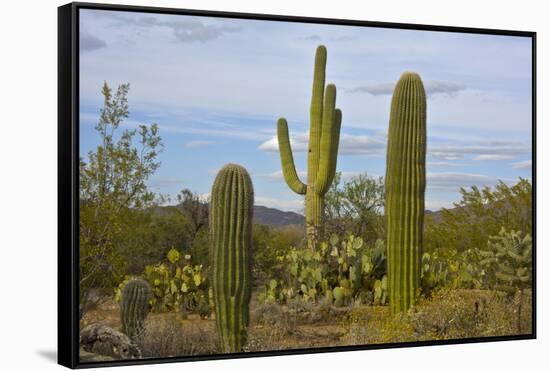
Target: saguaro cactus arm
[316,112]
[335,145]
[287,159]
[329,142]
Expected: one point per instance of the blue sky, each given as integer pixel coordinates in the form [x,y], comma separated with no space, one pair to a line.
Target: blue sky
[216,87]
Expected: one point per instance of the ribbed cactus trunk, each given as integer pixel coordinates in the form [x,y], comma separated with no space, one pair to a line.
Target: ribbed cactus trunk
[405,187]
[134,307]
[324,136]
[231,205]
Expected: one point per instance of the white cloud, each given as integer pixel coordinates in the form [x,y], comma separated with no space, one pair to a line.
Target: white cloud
[452,181]
[277,176]
[527,164]
[89,42]
[446,156]
[432,87]
[440,164]
[435,205]
[184,29]
[493,157]
[385,88]
[238,133]
[349,144]
[204,197]
[165,182]
[443,87]
[484,150]
[310,38]
[198,143]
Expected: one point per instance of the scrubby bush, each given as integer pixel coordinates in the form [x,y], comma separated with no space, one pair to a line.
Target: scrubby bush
[268,243]
[166,336]
[447,314]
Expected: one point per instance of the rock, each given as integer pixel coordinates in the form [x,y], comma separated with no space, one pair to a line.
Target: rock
[103,340]
[92,357]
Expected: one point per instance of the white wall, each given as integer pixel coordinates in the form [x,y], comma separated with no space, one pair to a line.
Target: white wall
[28,182]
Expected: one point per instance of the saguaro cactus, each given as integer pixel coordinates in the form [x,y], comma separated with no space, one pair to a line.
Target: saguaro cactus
[324,135]
[405,186]
[231,205]
[134,307]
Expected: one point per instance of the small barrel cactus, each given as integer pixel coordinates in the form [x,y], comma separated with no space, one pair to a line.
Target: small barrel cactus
[405,187]
[134,307]
[231,205]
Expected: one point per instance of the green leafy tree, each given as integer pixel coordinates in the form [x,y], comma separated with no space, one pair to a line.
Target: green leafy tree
[149,234]
[355,207]
[455,240]
[268,244]
[480,213]
[113,185]
[191,205]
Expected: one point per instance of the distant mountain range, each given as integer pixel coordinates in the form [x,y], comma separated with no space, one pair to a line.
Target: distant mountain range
[278,218]
[275,217]
[262,215]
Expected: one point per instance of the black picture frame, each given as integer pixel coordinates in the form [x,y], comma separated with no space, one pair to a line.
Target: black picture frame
[68,187]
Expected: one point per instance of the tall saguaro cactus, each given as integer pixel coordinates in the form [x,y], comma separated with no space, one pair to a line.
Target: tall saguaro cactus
[231,205]
[405,187]
[134,307]
[324,135]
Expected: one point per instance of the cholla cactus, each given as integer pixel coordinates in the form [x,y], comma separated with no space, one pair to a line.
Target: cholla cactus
[231,237]
[405,187]
[507,262]
[134,307]
[508,266]
[324,134]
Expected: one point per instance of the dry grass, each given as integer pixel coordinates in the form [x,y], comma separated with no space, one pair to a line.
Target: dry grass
[448,314]
[168,336]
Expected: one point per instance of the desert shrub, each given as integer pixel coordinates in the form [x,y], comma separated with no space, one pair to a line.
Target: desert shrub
[356,206]
[456,240]
[166,336]
[341,271]
[177,284]
[113,179]
[375,325]
[267,314]
[480,213]
[275,316]
[447,314]
[267,244]
[455,314]
[504,263]
[455,270]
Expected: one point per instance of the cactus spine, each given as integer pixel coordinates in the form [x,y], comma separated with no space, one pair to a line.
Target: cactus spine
[134,307]
[405,186]
[324,134]
[231,205]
